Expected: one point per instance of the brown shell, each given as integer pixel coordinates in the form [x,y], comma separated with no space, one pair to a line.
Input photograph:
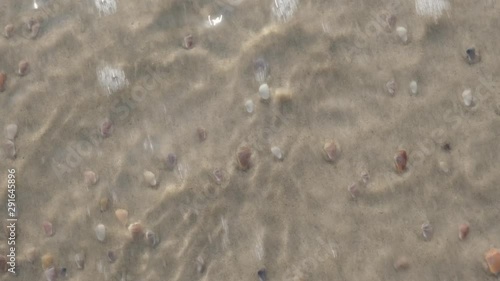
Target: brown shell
[331,150]
[136,230]
[400,160]
[493,259]
[463,231]
[243,157]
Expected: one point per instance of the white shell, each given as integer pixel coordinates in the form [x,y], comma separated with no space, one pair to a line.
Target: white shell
[249,106]
[9,149]
[467,97]
[277,152]
[264,92]
[100,232]
[402,33]
[11,131]
[413,87]
[150,178]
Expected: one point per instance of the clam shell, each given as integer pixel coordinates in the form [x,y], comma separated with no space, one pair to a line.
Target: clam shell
[188,42]
[104,204]
[149,178]
[11,131]
[493,260]
[218,175]
[276,151]
[391,87]
[402,33]
[47,261]
[47,228]
[401,263]
[427,231]
[90,178]
[9,149]
[23,68]
[152,238]
[51,274]
[400,160]
[264,92]
[463,231]
[122,216]
[8,30]
[243,157]
[111,256]
[200,264]
[3,77]
[100,232]
[136,230]
[331,150]
[249,106]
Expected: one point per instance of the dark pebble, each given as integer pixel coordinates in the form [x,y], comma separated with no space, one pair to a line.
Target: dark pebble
[262,274]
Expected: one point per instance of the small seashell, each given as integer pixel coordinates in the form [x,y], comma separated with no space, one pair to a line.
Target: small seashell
[9,149]
[136,230]
[80,260]
[276,151]
[8,30]
[427,231]
[400,160]
[391,21]
[32,255]
[104,204]
[401,263]
[243,156]
[200,264]
[261,70]
[218,175]
[331,150]
[283,95]
[249,106]
[413,87]
[111,256]
[23,68]
[3,77]
[3,263]
[444,167]
[90,178]
[463,231]
[122,216]
[149,178]
[188,42]
[365,177]
[106,128]
[264,92]
[493,260]
[472,56]
[100,232]
[402,33]
[47,228]
[467,97]
[171,161]
[353,190]
[51,274]
[151,238]
[35,28]
[202,134]
[262,274]
[391,87]
[11,131]
[47,261]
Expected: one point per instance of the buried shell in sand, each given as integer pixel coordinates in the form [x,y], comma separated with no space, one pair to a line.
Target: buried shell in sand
[243,157]
[331,150]
[400,160]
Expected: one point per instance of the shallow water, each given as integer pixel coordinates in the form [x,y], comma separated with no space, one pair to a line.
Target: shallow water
[113,88]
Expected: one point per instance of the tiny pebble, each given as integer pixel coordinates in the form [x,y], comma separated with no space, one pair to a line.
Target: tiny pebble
[413,87]
[402,33]
[11,131]
[90,178]
[106,128]
[472,56]
[47,228]
[264,92]
[493,259]
[23,68]
[8,30]
[401,263]
[243,157]
[278,154]
[427,231]
[150,178]
[171,161]
[400,160]
[80,260]
[249,106]
[262,274]
[202,134]
[467,97]
[391,87]
[463,231]
[9,149]
[100,232]
[3,77]
[188,42]
[122,216]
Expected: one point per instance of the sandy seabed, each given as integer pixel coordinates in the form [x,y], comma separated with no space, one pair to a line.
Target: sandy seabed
[295,217]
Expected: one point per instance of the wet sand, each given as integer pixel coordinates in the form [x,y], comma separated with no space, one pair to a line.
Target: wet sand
[295,217]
